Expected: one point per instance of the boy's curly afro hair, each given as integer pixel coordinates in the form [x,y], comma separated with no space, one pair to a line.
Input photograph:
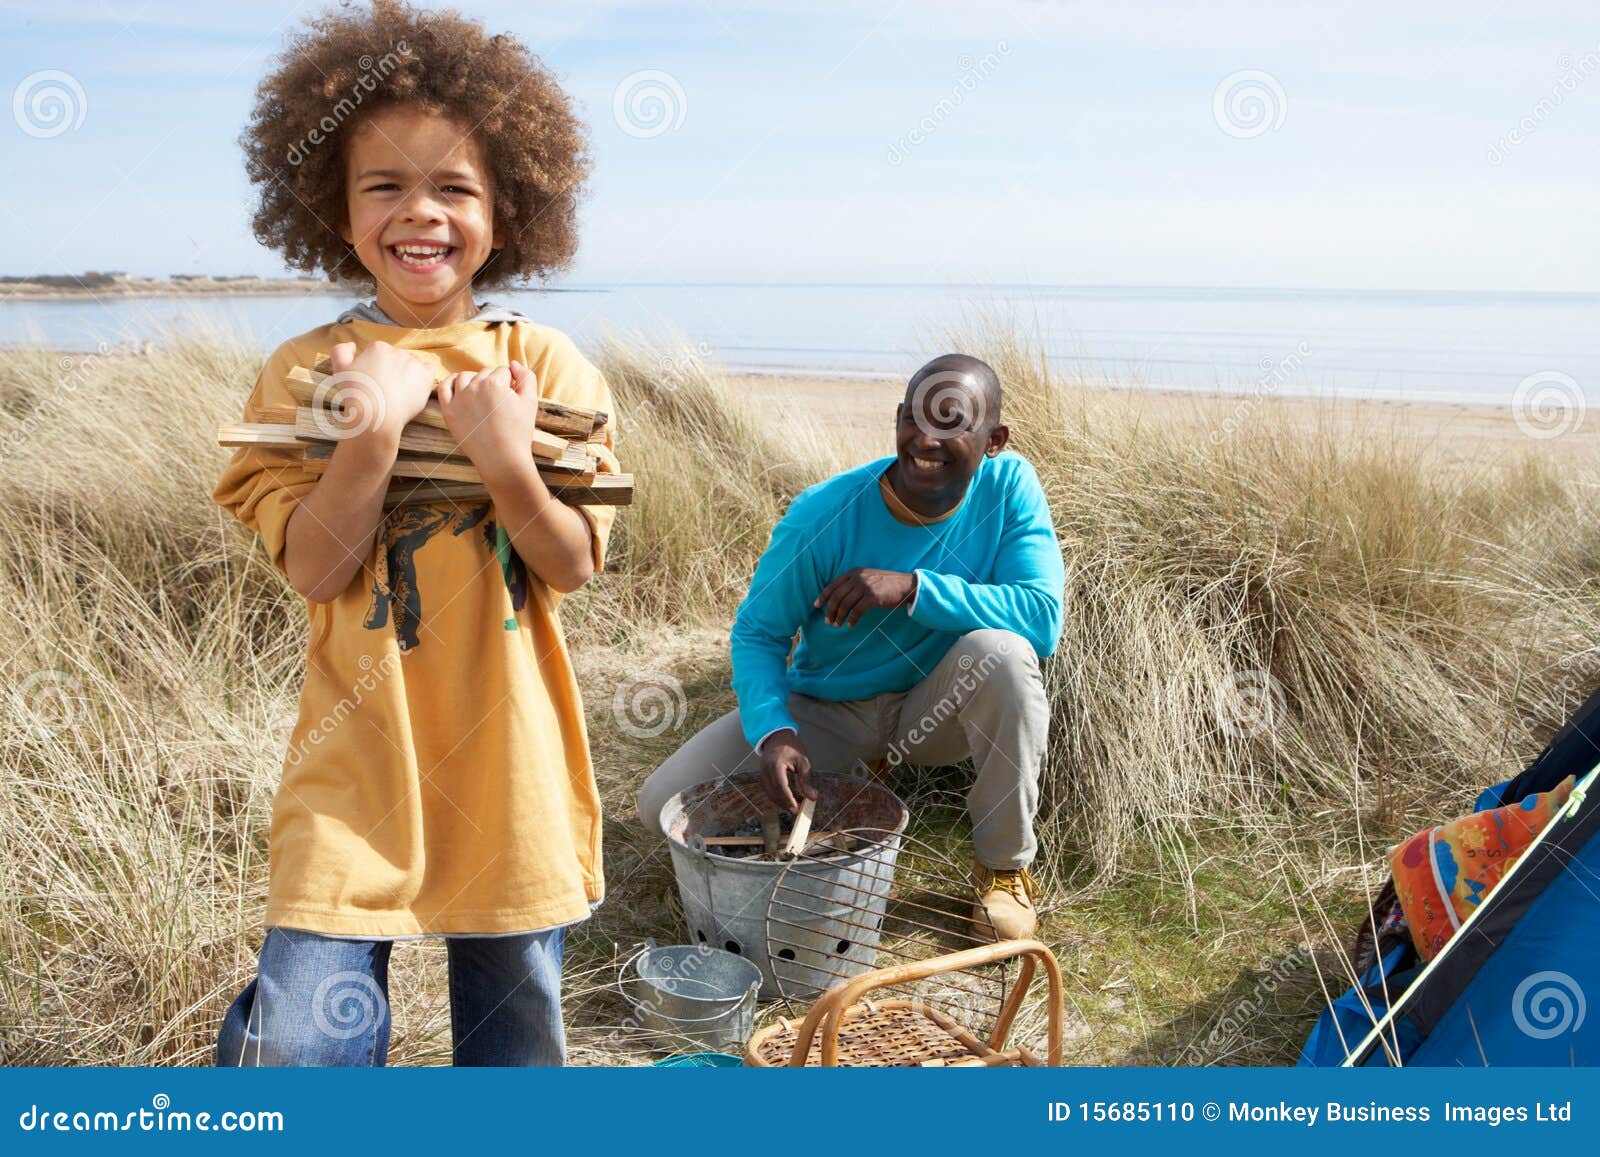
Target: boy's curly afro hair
[342,66]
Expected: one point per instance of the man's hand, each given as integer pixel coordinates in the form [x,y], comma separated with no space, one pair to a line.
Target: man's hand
[379,390]
[858,591]
[781,754]
[493,414]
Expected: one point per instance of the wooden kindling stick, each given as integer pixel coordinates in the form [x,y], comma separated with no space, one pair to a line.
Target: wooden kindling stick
[800,836]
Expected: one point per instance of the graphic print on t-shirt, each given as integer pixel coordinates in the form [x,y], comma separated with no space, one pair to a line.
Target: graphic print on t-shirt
[394,590]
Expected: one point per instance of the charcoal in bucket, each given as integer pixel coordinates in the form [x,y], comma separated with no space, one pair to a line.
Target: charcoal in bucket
[726,890]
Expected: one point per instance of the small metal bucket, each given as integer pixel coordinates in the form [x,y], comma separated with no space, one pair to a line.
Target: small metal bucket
[693,993]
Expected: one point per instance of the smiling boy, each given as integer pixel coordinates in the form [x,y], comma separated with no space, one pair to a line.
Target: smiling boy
[438,781]
[925,589]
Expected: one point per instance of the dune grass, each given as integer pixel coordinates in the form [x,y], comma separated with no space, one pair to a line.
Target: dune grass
[1286,645]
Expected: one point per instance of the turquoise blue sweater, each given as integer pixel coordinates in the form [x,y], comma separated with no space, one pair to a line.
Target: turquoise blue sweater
[994,562]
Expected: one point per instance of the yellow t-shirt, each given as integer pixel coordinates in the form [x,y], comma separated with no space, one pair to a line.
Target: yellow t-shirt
[438,779]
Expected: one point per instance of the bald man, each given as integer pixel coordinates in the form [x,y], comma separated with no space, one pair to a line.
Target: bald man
[925,589]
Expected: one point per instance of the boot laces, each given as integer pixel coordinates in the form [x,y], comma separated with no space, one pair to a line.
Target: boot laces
[1016,881]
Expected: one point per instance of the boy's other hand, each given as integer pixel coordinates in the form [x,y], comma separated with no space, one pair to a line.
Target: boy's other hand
[863,589]
[493,414]
[782,754]
[380,389]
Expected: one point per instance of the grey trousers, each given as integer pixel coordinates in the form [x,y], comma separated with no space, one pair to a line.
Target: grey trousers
[984,699]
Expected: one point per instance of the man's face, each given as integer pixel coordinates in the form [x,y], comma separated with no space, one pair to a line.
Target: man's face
[943,432]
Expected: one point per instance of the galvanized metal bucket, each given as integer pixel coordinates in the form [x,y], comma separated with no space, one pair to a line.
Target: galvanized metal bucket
[726,899]
[692,994]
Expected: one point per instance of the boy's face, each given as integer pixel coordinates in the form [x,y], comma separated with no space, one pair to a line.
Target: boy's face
[419,213]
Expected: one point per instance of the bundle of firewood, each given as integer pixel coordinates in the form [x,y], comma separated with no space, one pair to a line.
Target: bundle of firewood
[431,466]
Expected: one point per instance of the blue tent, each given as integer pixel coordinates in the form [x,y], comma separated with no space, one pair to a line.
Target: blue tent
[1512,986]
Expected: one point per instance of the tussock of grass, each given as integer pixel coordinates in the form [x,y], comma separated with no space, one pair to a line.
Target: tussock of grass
[1402,621]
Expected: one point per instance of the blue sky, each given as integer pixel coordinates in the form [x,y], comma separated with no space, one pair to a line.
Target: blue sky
[1405,144]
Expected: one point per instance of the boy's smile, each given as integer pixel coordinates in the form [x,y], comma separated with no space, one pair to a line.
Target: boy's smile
[419,214]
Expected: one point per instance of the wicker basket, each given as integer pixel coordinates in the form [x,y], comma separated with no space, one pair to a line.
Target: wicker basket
[846,1030]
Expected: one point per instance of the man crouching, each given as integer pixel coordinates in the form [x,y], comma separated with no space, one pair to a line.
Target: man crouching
[925,589]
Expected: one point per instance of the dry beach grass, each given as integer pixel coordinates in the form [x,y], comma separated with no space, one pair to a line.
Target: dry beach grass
[1291,637]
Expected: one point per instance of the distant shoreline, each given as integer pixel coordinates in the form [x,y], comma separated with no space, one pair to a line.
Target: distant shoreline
[153,287]
[203,287]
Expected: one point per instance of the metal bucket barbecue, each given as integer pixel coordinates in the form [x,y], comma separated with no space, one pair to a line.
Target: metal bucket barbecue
[825,928]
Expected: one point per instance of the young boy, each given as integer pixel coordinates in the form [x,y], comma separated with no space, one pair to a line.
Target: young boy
[438,781]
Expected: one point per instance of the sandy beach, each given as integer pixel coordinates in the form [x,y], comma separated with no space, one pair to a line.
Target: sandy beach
[1461,433]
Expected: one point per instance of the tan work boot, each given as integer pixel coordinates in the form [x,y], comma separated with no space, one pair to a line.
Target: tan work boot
[1005,901]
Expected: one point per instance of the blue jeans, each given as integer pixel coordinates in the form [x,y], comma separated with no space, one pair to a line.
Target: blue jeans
[324,1000]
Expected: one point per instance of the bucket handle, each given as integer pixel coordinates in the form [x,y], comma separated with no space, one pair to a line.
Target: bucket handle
[751,996]
[748,998]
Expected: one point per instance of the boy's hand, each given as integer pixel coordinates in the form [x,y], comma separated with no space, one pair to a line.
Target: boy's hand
[858,591]
[493,415]
[782,754]
[379,390]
